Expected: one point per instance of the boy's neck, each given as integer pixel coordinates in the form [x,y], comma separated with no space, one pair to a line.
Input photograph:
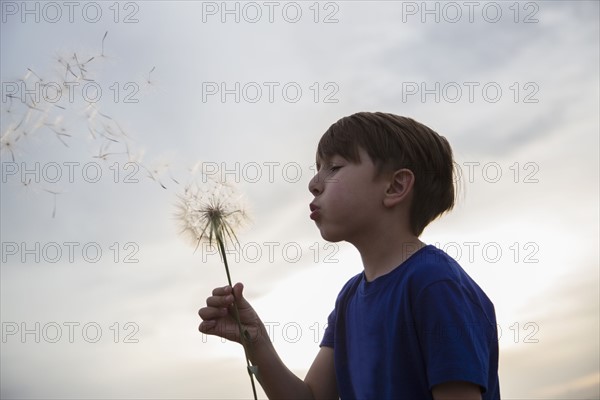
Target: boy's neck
[382,255]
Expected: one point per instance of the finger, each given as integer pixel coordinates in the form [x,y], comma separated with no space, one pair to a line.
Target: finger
[207,326]
[220,301]
[221,291]
[212,313]
[215,329]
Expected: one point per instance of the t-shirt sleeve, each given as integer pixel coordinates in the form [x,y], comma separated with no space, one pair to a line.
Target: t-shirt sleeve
[329,335]
[454,335]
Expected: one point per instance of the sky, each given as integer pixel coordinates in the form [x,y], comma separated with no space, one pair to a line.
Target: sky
[110,109]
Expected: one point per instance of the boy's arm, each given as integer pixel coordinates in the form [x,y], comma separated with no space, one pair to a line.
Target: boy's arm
[456,391]
[275,378]
[279,382]
[321,375]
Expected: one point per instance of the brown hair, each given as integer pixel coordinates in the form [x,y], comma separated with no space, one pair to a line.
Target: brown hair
[394,142]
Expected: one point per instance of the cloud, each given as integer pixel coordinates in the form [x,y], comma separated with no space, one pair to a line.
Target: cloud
[567,336]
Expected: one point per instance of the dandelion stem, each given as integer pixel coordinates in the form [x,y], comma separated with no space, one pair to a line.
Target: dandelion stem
[243,333]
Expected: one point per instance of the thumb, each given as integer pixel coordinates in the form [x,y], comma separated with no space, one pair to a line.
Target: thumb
[238,290]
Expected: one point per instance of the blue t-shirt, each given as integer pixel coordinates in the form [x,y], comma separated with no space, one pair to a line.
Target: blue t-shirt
[424,323]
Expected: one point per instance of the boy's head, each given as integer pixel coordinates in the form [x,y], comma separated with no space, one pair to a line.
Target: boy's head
[394,142]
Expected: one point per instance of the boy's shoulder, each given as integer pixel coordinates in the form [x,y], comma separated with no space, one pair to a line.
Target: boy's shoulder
[435,277]
[431,265]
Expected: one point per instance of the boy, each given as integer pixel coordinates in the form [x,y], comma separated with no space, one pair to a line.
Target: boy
[413,325]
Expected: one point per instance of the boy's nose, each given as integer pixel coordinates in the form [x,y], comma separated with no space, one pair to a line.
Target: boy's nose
[314,186]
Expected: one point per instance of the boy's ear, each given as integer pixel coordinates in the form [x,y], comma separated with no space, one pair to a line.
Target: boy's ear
[399,188]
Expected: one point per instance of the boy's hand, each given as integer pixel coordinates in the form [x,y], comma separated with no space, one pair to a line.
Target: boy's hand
[276,379]
[219,318]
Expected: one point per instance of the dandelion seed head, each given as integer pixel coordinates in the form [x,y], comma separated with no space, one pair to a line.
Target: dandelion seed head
[211,210]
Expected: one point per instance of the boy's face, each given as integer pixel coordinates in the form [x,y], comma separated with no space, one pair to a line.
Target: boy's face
[348,198]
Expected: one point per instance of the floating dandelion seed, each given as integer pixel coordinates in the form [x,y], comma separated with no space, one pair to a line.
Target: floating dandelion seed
[211,213]
[149,80]
[10,102]
[22,116]
[8,141]
[103,38]
[60,131]
[30,71]
[53,193]
[25,118]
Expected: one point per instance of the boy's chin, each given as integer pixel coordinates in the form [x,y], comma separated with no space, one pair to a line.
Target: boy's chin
[331,237]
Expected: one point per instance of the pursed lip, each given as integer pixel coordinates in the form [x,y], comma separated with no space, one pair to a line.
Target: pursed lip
[314,211]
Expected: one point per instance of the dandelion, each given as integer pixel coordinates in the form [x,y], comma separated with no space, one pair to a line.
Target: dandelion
[211,213]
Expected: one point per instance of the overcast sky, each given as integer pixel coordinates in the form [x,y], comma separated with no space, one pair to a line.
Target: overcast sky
[108,107]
